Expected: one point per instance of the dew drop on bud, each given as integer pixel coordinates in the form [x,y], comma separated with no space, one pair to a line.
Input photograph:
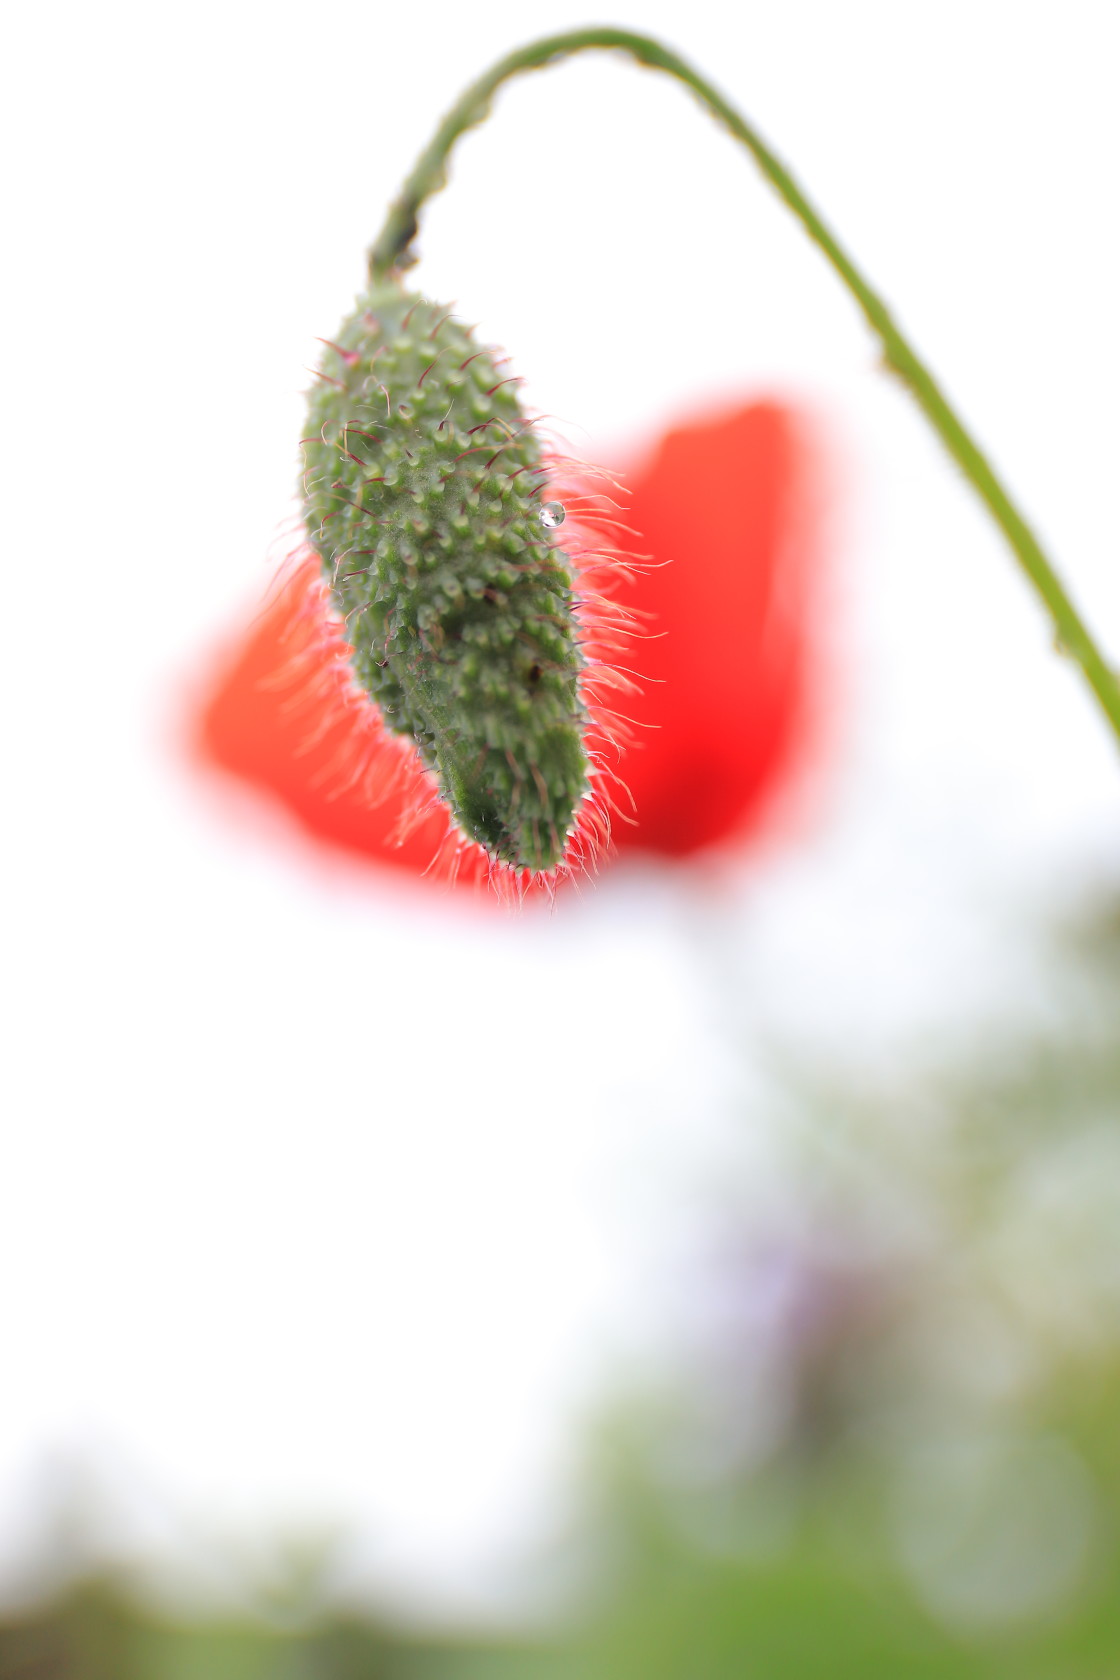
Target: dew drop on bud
[552,514]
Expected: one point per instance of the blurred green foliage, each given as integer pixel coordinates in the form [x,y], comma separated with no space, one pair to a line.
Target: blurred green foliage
[940,1493]
[97,1632]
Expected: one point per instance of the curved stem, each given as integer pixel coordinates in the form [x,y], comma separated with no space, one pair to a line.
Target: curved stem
[392,250]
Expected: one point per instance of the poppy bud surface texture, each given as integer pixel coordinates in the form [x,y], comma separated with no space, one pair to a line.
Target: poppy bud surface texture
[422,498]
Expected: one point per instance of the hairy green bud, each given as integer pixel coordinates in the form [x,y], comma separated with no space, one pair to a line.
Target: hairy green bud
[422,497]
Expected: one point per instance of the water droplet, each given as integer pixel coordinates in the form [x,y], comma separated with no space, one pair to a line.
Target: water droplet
[552,514]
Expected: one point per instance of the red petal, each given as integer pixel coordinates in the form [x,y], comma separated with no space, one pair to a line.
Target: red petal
[719,506]
[723,502]
[284,716]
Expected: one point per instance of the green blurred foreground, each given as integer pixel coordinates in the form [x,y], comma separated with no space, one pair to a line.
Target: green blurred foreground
[893,1450]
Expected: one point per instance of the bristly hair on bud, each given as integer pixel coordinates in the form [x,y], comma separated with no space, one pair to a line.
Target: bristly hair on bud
[423,500]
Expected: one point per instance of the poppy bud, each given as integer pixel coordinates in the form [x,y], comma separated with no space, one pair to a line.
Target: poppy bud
[423,499]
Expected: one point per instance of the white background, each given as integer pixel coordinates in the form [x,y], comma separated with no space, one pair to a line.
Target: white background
[327,1202]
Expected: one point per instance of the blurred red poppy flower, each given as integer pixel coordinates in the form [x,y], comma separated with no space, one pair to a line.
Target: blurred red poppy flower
[716,521]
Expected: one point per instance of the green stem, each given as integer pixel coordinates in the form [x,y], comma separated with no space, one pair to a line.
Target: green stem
[392,250]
